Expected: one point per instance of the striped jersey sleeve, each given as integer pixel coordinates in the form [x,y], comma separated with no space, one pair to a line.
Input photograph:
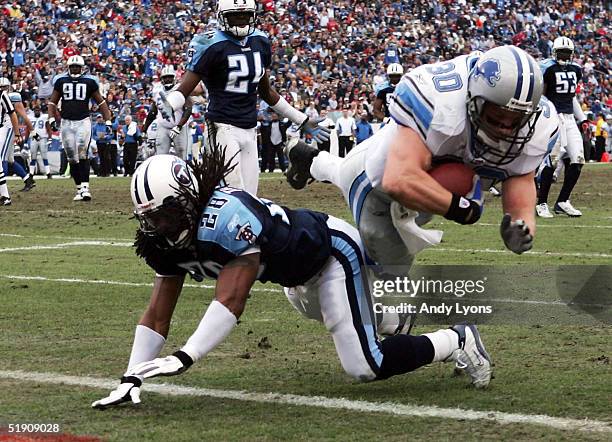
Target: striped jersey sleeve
[410,107]
[7,105]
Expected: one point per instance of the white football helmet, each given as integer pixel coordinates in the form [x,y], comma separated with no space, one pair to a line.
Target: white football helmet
[5,84]
[75,66]
[395,72]
[158,193]
[168,77]
[563,50]
[237,17]
[504,90]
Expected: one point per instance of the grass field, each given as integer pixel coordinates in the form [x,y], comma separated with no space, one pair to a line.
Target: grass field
[73,290]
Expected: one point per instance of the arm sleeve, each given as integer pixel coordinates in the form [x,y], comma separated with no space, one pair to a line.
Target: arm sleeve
[578,114]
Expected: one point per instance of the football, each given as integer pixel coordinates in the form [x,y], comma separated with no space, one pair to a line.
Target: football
[454,177]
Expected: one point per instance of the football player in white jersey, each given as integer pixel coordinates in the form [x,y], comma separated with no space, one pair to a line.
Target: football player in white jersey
[485,110]
[176,130]
[40,140]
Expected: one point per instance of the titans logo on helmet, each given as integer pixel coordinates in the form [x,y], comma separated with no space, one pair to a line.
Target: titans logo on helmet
[181,175]
[489,70]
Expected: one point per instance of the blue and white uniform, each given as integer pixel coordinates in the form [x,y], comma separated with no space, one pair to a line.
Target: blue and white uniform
[231,70]
[318,258]
[560,82]
[75,94]
[41,145]
[431,100]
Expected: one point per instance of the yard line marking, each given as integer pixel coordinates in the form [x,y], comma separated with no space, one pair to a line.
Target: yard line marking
[71,238]
[397,409]
[270,290]
[557,226]
[66,245]
[530,253]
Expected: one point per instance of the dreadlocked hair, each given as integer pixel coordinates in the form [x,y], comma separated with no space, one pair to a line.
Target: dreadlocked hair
[208,173]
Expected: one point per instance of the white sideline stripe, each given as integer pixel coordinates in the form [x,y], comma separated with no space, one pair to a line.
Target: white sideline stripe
[324,402]
[557,226]
[531,253]
[259,289]
[71,238]
[123,283]
[66,245]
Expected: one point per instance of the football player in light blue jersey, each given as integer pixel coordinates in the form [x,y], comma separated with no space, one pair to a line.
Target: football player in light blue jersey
[484,110]
[189,224]
[232,63]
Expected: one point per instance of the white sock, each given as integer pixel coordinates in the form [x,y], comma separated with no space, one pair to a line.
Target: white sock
[47,170]
[25,178]
[445,342]
[4,190]
[32,170]
[325,167]
[147,345]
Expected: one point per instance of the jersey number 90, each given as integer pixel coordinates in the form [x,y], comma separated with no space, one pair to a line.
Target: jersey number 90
[74,91]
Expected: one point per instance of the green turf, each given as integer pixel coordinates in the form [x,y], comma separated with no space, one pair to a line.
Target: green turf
[86,329]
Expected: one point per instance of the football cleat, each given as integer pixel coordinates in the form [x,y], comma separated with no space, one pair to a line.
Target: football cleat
[29,184]
[543,211]
[86,195]
[471,356]
[299,156]
[566,208]
[5,201]
[49,176]
[78,196]
[493,191]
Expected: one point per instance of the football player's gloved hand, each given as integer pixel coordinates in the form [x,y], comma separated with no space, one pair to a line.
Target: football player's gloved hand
[128,390]
[175,132]
[163,106]
[320,134]
[172,365]
[515,234]
[468,209]
[53,124]
[36,137]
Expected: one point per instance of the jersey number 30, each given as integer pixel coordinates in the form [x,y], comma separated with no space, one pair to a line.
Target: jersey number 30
[239,75]
[74,91]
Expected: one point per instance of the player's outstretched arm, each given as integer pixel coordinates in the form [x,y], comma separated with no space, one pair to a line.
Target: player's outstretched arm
[54,116]
[149,339]
[233,286]
[406,180]
[518,225]
[267,93]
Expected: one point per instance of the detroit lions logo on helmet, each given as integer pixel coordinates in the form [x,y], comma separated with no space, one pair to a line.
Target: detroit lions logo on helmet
[489,70]
[180,173]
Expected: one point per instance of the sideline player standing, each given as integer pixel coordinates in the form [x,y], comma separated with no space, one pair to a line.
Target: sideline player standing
[232,63]
[385,90]
[561,77]
[40,140]
[75,89]
[7,115]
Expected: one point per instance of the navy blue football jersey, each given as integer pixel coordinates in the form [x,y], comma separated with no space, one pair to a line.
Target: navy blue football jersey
[384,91]
[76,93]
[231,70]
[294,244]
[561,82]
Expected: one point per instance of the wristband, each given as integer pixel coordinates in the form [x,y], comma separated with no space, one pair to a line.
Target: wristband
[285,110]
[463,210]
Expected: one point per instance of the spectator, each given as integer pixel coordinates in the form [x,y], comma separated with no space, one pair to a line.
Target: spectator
[345,127]
[364,128]
[131,137]
[328,123]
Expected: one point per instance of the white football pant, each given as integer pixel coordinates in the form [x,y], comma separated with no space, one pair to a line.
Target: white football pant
[76,136]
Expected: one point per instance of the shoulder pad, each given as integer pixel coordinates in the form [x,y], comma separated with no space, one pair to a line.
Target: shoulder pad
[258,33]
[545,64]
[385,84]
[92,77]
[229,223]
[15,97]
[58,77]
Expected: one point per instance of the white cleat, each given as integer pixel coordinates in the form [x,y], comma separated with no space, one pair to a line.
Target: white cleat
[86,195]
[493,191]
[566,208]
[78,196]
[543,211]
[471,356]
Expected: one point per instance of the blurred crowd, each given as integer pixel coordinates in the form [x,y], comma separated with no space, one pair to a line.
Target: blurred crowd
[327,55]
